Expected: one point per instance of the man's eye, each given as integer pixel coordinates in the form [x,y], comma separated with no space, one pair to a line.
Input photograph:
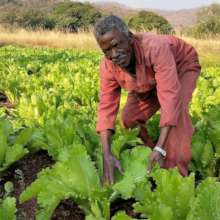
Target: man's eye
[117,46]
[105,52]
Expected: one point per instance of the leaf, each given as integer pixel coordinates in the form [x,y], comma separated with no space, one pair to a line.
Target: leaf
[121,216]
[171,198]
[206,204]
[74,176]
[5,129]
[134,163]
[8,209]
[214,131]
[9,187]
[198,144]
[13,153]
[207,154]
[125,139]
[24,137]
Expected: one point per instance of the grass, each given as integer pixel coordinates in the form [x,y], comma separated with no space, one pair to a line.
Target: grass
[208,49]
[53,39]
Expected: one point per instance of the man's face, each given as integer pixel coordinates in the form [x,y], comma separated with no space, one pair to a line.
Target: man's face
[117,47]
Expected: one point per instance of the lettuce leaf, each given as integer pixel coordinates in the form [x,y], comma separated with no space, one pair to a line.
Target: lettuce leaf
[73,176]
[170,200]
[206,204]
[134,163]
[8,209]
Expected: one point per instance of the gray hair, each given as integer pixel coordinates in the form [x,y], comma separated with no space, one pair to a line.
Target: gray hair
[108,23]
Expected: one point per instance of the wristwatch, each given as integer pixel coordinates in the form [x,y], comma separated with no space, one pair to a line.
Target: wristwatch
[160,150]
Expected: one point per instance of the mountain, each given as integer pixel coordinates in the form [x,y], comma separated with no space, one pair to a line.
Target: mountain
[115,8]
[178,19]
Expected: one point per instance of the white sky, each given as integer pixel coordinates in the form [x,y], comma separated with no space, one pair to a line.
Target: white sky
[161,4]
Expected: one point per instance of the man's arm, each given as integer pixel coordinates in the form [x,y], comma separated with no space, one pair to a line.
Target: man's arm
[156,156]
[168,92]
[106,145]
[109,99]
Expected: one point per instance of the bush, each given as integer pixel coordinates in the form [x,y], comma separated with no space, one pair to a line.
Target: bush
[23,16]
[150,21]
[208,22]
[34,19]
[72,16]
[65,16]
[210,26]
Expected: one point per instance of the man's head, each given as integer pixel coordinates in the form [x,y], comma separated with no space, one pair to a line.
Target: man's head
[115,40]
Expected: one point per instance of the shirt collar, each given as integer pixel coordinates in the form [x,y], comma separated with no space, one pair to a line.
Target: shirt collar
[139,53]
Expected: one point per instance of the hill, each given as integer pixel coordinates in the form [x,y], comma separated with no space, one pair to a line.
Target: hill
[180,18]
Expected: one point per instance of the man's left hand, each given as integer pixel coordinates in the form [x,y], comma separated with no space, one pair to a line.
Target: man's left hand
[155,157]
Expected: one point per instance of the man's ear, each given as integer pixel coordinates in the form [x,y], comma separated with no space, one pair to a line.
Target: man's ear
[131,39]
[130,34]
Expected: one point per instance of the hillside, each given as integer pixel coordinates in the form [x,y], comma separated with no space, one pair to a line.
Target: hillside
[178,18]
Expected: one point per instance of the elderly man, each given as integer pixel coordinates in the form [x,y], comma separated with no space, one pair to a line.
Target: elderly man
[159,72]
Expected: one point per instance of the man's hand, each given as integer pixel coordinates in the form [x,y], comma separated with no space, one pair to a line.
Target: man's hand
[155,157]
[110,163]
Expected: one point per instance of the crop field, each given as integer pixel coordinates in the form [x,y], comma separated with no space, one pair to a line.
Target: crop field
[51,160]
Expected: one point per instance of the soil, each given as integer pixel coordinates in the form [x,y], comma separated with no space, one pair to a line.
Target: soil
[4,101]
[24,172]
[124,205]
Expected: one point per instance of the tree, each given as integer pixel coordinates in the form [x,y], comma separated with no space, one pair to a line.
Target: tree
[19,14]
[72,16]
[49,14]
[208,22]
[209,12]
[149,21]
[33,18]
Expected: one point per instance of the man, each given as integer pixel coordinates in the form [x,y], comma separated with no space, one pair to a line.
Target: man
[159,72]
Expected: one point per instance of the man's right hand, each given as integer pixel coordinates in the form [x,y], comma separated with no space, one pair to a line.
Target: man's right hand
[110,162]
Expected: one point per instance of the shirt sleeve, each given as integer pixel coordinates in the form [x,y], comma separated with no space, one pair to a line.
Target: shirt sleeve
[168,85]
[109,99]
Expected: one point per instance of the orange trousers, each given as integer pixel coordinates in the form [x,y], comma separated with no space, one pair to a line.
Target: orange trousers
[138,110]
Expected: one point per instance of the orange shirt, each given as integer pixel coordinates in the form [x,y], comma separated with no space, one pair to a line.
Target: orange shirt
[160,61]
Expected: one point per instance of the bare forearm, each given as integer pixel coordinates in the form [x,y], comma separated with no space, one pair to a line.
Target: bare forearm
[158,154]
[105,137]
[110,162]
[164,131]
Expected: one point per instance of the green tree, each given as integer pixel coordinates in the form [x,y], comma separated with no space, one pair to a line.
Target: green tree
[209,27]
[72,16]
[33,14]
[209,12]
[32,18]
[149,21]
[208,22]
[27,16]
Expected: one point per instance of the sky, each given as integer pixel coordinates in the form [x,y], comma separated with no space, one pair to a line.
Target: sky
[161,4]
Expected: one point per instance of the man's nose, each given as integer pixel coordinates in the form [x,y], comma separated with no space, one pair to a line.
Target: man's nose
[114,54]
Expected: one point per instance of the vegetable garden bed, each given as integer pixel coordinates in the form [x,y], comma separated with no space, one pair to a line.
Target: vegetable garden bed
[51,158]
